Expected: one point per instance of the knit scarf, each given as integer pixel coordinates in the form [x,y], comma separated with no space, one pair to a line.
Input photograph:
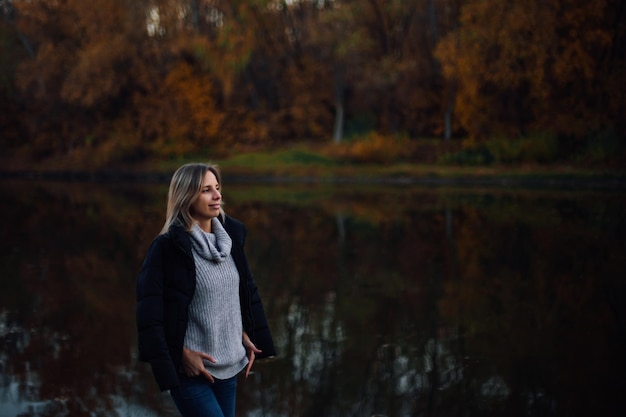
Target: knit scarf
[213,246]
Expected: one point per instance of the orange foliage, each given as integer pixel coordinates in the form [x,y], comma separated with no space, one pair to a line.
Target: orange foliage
[530,65]
[374,148]
[113,79]
[181,116]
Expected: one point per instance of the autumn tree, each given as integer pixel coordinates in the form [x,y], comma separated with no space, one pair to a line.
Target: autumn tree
[384,69]
[285,83]
[13,48]
[102,72]
[122,80]
[77,69]
[524,66]
[444,19]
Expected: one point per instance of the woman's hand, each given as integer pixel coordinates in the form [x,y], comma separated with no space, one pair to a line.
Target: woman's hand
[251,352]
[193,365]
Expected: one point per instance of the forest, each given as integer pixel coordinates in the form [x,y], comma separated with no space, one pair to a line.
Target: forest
[110,81]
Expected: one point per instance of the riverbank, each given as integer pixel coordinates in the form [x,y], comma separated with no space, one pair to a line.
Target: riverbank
[548,177]
[307,166]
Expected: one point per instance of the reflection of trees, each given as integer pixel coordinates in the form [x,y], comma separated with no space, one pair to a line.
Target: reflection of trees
[530,303]
[354,351]
[76,251]
[430,304]
[315,346]
[447,309]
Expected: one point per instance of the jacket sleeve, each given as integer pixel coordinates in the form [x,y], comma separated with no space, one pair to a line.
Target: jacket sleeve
[261,336]
[150,326]
[258,329]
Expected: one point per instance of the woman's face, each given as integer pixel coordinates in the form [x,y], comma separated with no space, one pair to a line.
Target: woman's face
[207,204]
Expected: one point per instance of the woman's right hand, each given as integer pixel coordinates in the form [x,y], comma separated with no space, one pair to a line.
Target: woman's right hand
[193,365]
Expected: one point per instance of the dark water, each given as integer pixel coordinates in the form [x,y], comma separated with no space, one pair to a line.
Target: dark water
[384,301]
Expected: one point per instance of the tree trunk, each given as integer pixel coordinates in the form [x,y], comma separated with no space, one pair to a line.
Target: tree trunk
[449,111]
[195,15]
[448,122]
[339,103]
[338,130]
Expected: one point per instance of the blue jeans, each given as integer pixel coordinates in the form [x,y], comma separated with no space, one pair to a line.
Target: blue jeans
[198,397]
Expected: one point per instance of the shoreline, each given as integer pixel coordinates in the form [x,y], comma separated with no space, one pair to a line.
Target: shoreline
[570,179]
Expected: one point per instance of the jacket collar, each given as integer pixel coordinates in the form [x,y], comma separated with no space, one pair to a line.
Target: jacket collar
[181,238]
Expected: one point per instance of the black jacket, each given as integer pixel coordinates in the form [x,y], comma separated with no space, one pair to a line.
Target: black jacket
[165,287]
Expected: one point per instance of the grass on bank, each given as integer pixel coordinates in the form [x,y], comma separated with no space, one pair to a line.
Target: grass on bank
[381,157]
[377,156]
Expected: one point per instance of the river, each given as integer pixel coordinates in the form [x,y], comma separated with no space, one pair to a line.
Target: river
[384,300]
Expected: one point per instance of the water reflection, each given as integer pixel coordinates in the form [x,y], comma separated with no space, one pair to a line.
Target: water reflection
[383,301]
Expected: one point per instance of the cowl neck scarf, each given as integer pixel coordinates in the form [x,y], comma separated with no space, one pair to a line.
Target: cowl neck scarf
[213,246]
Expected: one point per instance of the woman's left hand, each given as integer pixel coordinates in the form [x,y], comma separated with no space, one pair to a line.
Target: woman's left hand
[251,352]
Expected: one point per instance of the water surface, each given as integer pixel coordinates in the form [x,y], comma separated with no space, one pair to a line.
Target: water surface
[387,301]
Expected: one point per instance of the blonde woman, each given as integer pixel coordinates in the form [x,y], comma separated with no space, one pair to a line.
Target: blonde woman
[200,318]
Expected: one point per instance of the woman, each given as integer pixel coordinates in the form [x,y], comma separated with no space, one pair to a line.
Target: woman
[199,316]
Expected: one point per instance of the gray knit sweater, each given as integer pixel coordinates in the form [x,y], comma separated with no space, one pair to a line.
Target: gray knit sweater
[215,325]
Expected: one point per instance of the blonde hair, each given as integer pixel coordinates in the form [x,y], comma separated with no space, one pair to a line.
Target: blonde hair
[185,188]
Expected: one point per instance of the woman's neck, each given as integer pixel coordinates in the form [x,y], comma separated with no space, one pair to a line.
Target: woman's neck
[205,225]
